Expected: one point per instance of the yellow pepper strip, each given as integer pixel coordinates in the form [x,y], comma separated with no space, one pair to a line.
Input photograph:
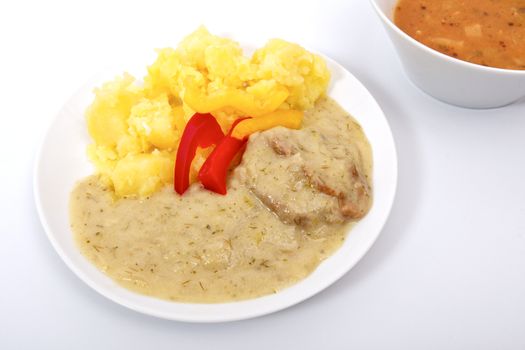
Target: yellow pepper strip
[288,118]
[241,100]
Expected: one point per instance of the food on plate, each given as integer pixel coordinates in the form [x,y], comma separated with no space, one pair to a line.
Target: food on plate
[211,203]
[485,32]
[136,128]
[289,206]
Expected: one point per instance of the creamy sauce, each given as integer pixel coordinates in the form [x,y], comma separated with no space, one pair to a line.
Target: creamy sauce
[485,32]
[204,247]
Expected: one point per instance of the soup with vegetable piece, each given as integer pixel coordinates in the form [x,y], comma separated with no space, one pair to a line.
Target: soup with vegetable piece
[486,32]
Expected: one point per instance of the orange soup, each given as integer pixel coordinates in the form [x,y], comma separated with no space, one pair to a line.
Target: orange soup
[486,32]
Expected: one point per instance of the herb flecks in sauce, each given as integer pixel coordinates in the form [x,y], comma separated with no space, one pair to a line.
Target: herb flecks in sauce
[204,247]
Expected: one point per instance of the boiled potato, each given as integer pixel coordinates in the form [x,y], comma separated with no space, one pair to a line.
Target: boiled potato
[136,128]
[153,123]
[107,115]
[303,73]
[142,174]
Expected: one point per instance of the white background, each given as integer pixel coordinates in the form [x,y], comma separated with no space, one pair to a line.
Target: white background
[448,271]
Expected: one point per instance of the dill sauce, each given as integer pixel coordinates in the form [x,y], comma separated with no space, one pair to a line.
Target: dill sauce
[204,247]
[200,247]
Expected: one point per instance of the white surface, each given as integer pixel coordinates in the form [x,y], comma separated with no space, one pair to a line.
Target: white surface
[453,81]
[448,271]
[65,145]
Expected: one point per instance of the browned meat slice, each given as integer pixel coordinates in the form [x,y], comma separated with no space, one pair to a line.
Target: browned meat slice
[282,147]
[353,201]
[305,176]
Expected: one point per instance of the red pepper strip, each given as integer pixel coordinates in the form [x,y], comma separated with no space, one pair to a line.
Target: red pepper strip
[214,170]
[202,130]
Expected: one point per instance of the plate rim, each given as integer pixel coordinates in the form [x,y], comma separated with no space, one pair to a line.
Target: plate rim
[197,318]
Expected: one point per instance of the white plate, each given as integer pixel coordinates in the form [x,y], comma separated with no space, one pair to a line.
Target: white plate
[62,161]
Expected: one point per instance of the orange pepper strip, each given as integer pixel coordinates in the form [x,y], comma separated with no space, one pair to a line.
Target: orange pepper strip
[288,118]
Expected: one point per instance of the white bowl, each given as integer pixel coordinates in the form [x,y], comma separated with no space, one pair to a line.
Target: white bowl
[62,161]
[449,79]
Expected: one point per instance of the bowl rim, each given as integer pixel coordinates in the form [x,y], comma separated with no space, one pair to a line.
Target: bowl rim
[487,69]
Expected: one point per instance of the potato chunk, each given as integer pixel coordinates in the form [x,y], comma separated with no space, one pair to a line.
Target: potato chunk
[142,174]
[153,122]
[106,117]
